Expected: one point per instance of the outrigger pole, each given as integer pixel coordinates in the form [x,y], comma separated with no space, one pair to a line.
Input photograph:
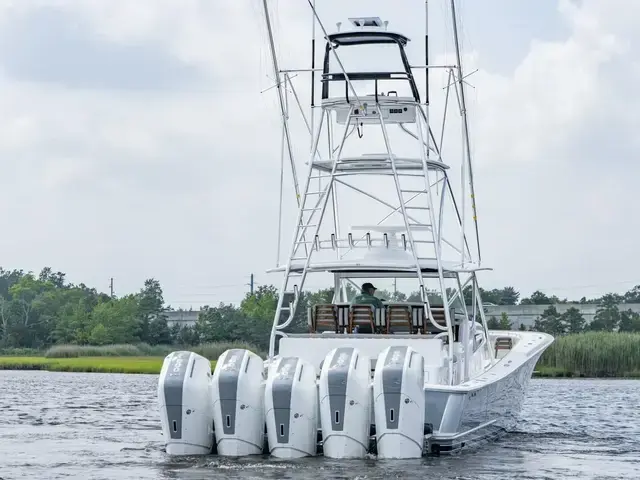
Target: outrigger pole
[465,127]
[283,110]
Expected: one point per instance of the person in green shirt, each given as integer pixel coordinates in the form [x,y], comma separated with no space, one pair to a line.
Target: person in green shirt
[366,297]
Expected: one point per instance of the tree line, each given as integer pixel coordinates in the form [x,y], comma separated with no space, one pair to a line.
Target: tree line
[609,317]
[41,310]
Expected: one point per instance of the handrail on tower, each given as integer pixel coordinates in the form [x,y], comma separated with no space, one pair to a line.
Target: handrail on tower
[369,31]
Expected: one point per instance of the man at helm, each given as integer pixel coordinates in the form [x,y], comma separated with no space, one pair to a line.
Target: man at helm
[366,297]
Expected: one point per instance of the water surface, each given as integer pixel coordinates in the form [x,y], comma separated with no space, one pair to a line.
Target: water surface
[106,426]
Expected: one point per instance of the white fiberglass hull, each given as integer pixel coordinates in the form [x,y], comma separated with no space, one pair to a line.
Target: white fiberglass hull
[466,419]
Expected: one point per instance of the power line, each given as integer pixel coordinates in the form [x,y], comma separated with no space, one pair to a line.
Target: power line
[229,285]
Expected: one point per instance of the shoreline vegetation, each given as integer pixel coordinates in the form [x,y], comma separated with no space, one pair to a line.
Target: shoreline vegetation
[583,355]
[49,323]
[127,358]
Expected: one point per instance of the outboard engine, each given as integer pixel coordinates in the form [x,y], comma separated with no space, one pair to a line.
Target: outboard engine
[291,404]
[186,407]
[238,403]
[398,392]
[345,400]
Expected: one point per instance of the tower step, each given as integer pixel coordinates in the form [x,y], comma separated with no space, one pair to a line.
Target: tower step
[287,298]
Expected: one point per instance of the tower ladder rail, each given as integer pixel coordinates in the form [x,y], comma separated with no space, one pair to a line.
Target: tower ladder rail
[298,241]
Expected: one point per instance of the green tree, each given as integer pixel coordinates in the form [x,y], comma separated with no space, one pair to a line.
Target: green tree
[228,323]
[629,321]
[607,315]
[493,323]
[119,318]
[573,320]
[151,310]
[188,336]
[74,324]
[159,333]
[4,322]
[262,304]
[537,298]
[633,295]
[56,279]
[504,323]
[7,279]
[99,335]
[509,296]
[550,322]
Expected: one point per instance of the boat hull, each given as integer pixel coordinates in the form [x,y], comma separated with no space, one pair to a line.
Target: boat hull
[463,420]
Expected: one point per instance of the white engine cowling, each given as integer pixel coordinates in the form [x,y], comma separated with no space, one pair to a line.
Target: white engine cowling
[186,407]
[291,404]
[345,400]
[238,403]
[398,392]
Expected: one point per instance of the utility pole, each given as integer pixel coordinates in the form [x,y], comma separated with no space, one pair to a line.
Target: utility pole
[251,284]
[111,286]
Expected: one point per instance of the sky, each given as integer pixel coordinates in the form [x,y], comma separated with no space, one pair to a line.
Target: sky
[136,140]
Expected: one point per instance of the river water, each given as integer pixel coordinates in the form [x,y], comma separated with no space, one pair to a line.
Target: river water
[106,426]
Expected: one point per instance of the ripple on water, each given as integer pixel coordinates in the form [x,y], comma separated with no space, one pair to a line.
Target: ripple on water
[99,426]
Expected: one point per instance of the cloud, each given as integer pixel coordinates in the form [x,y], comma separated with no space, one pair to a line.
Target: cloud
[51,45]
[556,155]
[138,143]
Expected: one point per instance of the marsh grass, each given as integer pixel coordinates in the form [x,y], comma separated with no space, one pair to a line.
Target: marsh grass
[592,354]
[20,352]
[103,364]
[208,350]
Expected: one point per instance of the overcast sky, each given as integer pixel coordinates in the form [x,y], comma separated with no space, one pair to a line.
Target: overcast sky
[135,142]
